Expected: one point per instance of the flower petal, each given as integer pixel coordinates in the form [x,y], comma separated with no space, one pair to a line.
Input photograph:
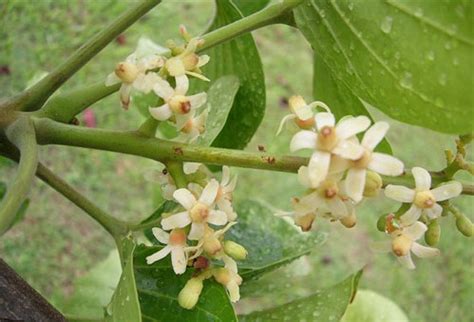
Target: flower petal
[433,212]
[158,255]
[351,126]
[399,193]
[182,85]
[406,261]
[348,149]
[197,100]
[229,263]
[217,217]
[197,231]
[233,289]
[385,164]
[161,113]
[303,140]
[303,176]
[423,251]
[374,135]
[179,220]
[209,193]
[124,92]
[422,178]
[163,89]
[112,79]
[355,183]
[161,235]
[447,191]
[191,167]
[318,167]
[411,216]
[203,60]
[178,259]
[225,175]
[226,206]
[337,208]
[415,231]
[185,198]
[145,82]
[304,112]
[323,119]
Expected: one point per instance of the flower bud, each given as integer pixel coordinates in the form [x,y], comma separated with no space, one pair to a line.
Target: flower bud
[373,184]
[189,295]
[433,234]
[349,221]
[175,66]
[222,275]
[464,225]
[234,250]
[401,245]
[127,72]
[212,245]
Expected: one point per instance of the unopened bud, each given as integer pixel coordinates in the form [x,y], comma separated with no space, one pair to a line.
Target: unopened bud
[306,221]
[222,275]
[433,234]
[189,295]
[234,250]
[127,72]
[464,225]
[212,245]
[373,184]
[349,221]
[401,245]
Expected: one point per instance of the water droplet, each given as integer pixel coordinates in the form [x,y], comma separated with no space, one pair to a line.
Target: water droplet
[430,55]
[407,80]
[386,25]
[442,79]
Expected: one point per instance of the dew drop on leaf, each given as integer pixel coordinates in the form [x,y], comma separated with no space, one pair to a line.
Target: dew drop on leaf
[386,25]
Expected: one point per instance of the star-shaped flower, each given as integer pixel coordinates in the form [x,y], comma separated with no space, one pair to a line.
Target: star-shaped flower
[175,244]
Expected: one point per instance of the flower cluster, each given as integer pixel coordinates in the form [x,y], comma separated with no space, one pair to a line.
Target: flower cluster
[166,76]
[344,169]
[194,235]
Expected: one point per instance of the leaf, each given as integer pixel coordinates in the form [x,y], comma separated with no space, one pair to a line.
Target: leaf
[220,99]
[158,288]
[369,306]
[247,7]
[166,206]
[271,241]
[21,212]
[325,305]
[237,57]
[93,291]
[125,306]
[338,96]
[413,60]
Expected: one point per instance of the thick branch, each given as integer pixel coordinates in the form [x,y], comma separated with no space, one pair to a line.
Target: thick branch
[34,98]
[50,132]
[22,135]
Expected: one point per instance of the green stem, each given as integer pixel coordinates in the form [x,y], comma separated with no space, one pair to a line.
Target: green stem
[50,132]
[175,169]
[22,134]
[264,17]
[148,128]
[34,97]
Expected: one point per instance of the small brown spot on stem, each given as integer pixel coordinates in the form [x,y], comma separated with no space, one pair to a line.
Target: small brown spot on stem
[261,148]
[178,151]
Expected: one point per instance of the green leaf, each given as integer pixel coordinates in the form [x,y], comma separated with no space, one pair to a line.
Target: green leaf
[158,288]
[271,241]
[166,206]
[412,60]
[21,212]
[247,7]
[93,291]
[369,306]
[237,57]
[338,96]
[125,306]
[324,305]
[220,99]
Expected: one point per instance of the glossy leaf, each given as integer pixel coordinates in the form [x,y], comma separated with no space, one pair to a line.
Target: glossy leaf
[124,306]
[271,241]
[338,96]
[220,99]
[411,59]
[324,305]
[237,57]
[158,288]
[247,7]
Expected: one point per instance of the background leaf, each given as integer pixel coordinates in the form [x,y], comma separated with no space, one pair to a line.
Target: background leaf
[247,7]
[338,96]
[412,60]
[270,241]
[220,99]
[237,57]
[158,288]
[325,305]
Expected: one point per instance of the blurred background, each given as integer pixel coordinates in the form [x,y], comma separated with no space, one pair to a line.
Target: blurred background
[56,242]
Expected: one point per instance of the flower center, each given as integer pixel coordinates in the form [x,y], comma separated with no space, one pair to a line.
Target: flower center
[127,72]
[328,189]
[363,161]
[177,237]
[190,61]
[327,138]
[180,104]
[401,245]
[175,66]
[305,124]
[199,213]
[424,199]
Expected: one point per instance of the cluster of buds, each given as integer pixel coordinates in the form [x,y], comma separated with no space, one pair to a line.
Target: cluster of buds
[167,77]
[192,237]
[343,170]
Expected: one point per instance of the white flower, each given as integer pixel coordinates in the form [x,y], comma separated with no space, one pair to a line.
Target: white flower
[133,74]
[188,62]
[193,127]
[198,212]
[231,280]
[404,243]
[378,162]
[224,194]
[175,244]
[210,243]
[176,101]
[301,113]
[330,139]
[424,201]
